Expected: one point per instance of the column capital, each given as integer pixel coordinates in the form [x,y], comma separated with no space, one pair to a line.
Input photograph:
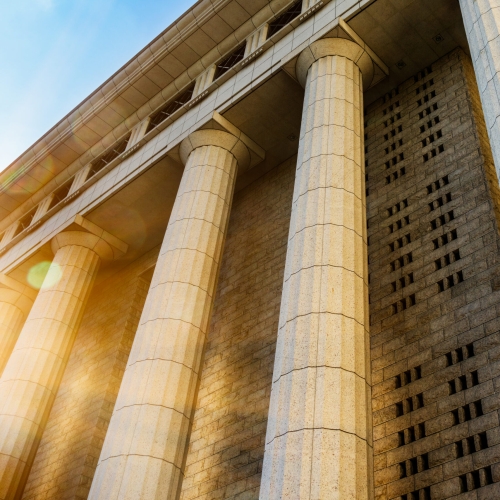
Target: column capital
[219,138]
[83,239]
[86,234]
[335,47]
[17,299]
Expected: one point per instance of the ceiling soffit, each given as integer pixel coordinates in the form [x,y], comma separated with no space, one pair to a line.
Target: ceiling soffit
[408,36]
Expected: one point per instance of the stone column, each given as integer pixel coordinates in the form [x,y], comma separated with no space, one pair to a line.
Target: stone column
[14,308]
[482,25]
[144,451]
[31,378]
[318,442]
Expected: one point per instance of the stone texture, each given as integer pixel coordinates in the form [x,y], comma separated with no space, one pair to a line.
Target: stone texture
[482,25]
[72,441]
[226,447]
[145,447]
[14,307]
[318,441]
[434,356]
[31,378]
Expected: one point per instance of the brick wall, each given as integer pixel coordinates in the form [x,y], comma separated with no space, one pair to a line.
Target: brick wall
[434,289]
[68,453]
[227,440]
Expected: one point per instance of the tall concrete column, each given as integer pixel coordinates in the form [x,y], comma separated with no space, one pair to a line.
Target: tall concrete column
[145,445]
[34,370]
[318,441]
[482,25]
[16,301]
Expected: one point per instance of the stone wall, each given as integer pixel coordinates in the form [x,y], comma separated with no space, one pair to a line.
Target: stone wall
[434,289]
[227,441]
[68,453]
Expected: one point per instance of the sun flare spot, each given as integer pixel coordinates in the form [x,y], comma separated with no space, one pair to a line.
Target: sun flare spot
[44,275]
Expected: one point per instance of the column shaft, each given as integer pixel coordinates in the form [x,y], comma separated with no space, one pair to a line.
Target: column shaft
[482,25]
[31,378]
[12,316]
[318,442]
[145,445]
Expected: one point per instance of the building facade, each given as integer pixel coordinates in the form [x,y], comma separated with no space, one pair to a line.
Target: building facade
[261,261]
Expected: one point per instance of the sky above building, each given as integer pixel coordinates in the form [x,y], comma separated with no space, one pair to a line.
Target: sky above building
[54,53]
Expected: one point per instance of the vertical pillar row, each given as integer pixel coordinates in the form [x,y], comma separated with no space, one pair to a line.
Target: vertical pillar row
[144,450]
[34,370]
[482,25]
[14,308]
[318,441]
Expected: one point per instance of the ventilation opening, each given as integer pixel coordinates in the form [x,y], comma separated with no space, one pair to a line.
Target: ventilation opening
[475,479]
[428,111]
[400,242]
[444,181]
[400,224]
[230,61]
[445,239]
[442,220]
[447,259]
[450,281]
[439,202]
[401,261]
[285,18]
[425,85]
[422,74]
[170,108]
[393,132]
[402,282]
[397,208]
[411,434]
[393,119]
[467,412]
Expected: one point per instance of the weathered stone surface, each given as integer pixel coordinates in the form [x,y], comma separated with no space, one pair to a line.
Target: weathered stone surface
[432,192]
[318,441]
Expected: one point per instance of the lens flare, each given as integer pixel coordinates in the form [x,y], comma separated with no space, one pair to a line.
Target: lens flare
[44,274]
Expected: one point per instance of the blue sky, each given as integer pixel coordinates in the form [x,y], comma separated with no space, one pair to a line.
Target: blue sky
[54,53]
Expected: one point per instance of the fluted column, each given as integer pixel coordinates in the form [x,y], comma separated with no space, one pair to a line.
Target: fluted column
[145,445]
[318,442]
[482,25]
[33,372]
[14,308]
